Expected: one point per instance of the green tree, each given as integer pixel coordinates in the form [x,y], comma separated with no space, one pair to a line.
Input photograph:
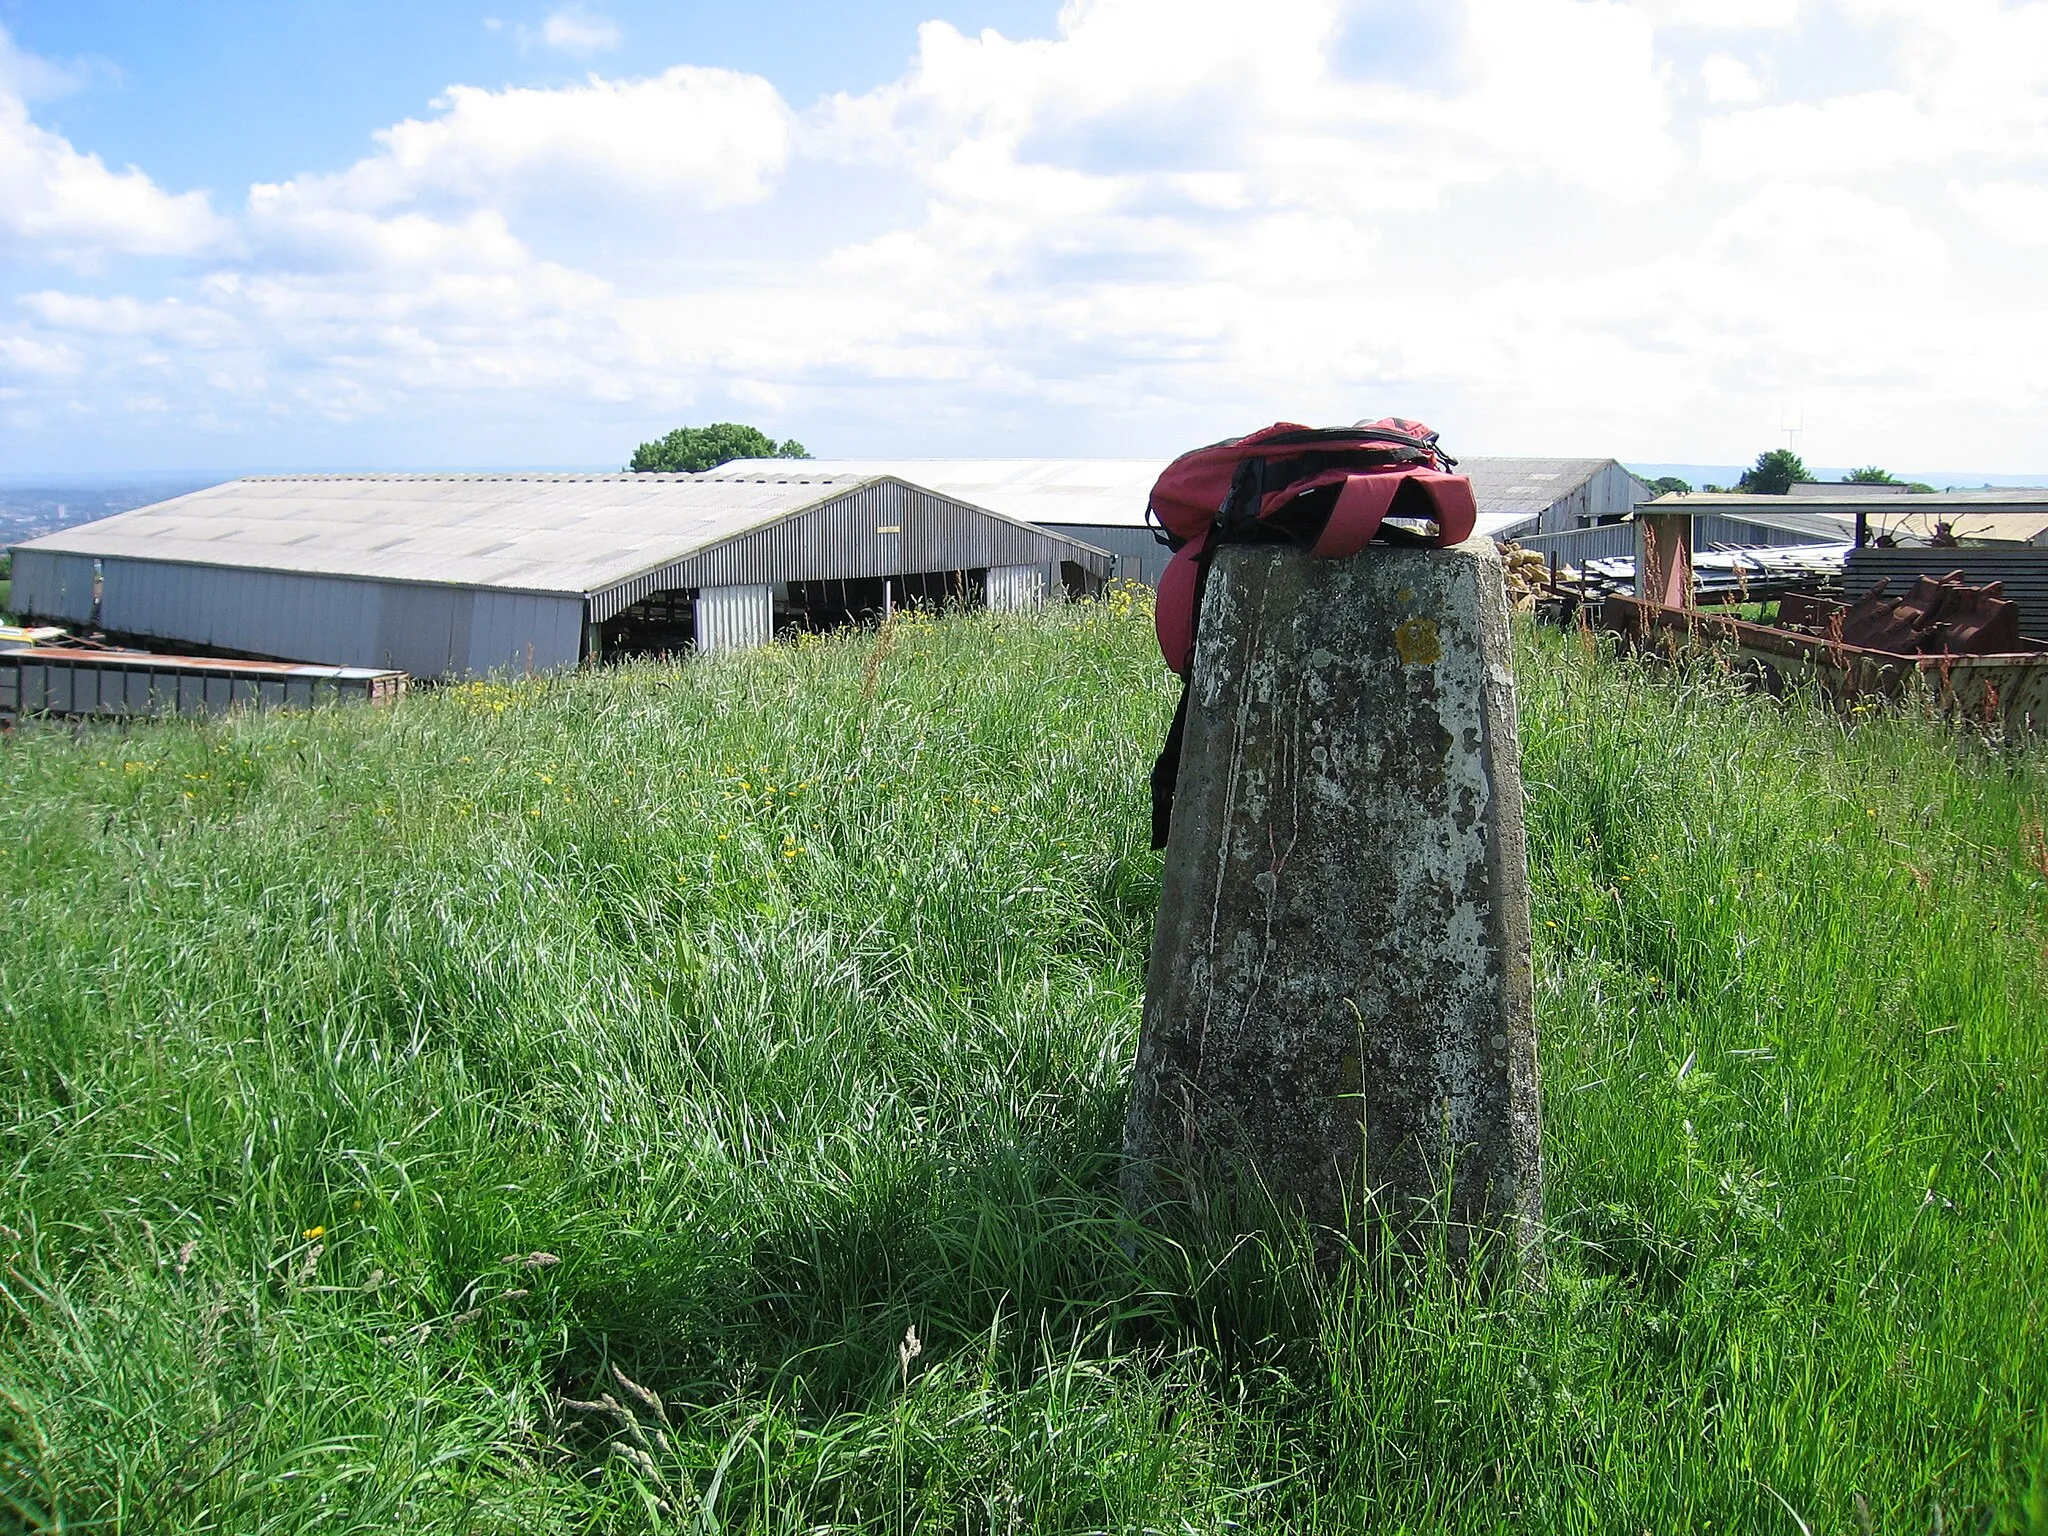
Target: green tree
[1774,474]
[1669,485]
[1870,474]
[687,450]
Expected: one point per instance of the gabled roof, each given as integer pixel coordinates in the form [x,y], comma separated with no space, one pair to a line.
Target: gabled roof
[530,532]
[1101,493]
[1528,486]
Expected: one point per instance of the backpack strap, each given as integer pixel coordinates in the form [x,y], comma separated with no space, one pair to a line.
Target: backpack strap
[1366,501]
[1360,505]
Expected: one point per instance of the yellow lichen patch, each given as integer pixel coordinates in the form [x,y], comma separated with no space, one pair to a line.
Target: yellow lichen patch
[1418,644]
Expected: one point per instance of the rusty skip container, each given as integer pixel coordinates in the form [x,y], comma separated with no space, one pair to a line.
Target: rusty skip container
[2005,689]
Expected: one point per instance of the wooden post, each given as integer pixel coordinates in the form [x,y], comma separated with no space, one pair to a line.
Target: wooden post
[1338,1005]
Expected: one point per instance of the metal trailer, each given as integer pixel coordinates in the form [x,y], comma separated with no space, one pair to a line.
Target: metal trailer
[467,575]
[58,680]
[2008,690]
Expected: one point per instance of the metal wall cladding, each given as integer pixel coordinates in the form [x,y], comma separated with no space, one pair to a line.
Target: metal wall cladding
[881,529]
[1611,491]
[1575,546]
[49,585]
[426,630]
[734,618]
[523,632]
[2023,570]
[1012,588]
[1138,556]
[1713,531]
[1574,509]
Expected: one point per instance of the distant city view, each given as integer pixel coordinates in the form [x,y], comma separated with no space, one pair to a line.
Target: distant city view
[27,511]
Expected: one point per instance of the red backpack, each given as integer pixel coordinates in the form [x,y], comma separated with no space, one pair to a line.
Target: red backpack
[1329,491]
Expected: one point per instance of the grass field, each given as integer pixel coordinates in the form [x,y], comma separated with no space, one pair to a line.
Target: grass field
[382,1092]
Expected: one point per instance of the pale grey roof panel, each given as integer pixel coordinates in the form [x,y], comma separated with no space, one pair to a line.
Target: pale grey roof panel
[536,533]
[1112,493]
[1527,486]
[1104,493]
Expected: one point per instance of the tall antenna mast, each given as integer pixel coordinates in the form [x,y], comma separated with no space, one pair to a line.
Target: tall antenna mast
[1792,433]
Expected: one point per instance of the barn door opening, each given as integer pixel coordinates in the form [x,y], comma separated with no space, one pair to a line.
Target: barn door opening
[815,606]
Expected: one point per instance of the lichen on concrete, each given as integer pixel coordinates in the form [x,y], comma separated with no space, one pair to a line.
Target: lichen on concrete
[1338,1002]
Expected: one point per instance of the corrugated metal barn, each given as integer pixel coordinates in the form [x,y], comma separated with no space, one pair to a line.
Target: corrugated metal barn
[1525,496]
[467,574]
[1102,501]
[1099,501]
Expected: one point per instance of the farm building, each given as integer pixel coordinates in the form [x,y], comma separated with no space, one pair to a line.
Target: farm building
[1102,501]
[1099,501]
[466,574]
[1518,497]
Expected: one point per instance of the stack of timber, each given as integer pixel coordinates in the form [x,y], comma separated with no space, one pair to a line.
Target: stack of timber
[1956,647]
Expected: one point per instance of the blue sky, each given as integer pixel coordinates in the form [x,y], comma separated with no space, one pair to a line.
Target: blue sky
[383,234]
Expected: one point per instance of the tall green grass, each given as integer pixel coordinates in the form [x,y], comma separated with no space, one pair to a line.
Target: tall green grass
[689,1097]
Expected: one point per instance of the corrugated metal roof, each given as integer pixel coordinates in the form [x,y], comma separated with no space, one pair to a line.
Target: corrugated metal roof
[2016,517]
[533,533]
[1111,493]
[1527,486]
[1101,493]
[1844,498]
[1821,527]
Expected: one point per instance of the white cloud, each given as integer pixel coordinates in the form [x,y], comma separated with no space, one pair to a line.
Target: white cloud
[1729,80]
[1725,15]
[1575,227]
[689,138]
[1843,136]
[69,205]
[29,359]
[122,315]
[574,30]
[2012,210]
[1970,79]
[298,228]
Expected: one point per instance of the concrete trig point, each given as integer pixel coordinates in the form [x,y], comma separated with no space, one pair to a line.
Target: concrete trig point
[1338,1005]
